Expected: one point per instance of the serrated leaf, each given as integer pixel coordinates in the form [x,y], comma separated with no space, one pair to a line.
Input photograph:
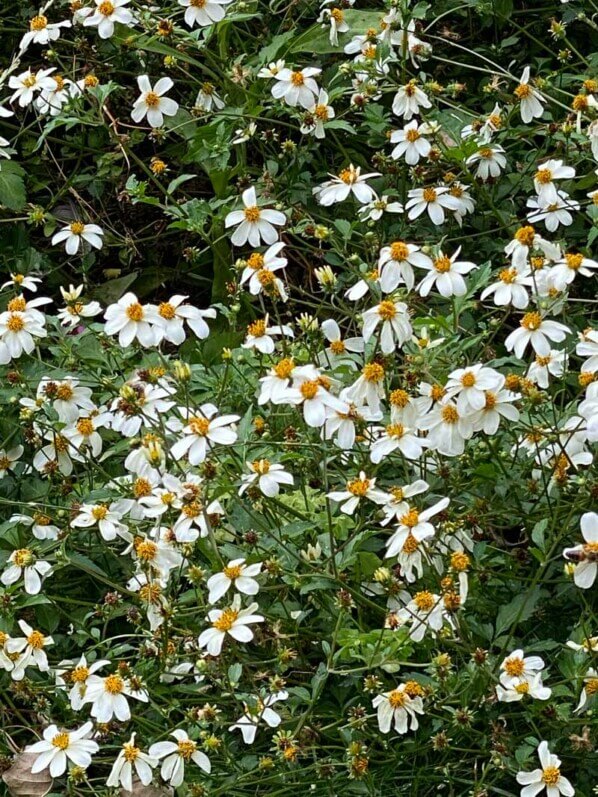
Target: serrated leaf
[12,187]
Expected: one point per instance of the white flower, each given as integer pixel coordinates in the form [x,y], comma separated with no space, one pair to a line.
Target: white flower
[413,523]
[80,674]
[509,289]
[400,706]
[588,347]
[356,489]
[168,319]
[586,554]
[410,143]
[233,621]
[236,574]
[106,13]
[590,688]
[343,420]
[490,160]
[108,697]
[40,524]
[138,404]
[516,665]
[207,98]
[432,200]
[538,332]
[447,429]
[260,270]
[530,100]
[340,349]
[549,777]
[267,476]
[59,748]
[377,207]
[408,100]
[396,436]
[547,173]
[349,181]
[553,213]
[152,102]
[30,650]
[41,31]
[368,389]
[23,562]
[554,363]
[296,87]
[107,517]
[129,320]
[470,385]
[71,314]
[335,18]
[519,688]
[565,270]
[309,391]
[68,397]
[203,12]
[76,233]
[497,406]
[176,754]
[9,458]
[131,759]
[254,224]
[396,265]
[203,428]
[21,281]
[320,112]
[446,275]
[28,83]
[423,612]
[526,239]
[396,329]
[259,335]
[248,723]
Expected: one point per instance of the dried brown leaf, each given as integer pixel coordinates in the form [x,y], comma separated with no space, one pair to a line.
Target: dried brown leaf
[20,780]
[139,790]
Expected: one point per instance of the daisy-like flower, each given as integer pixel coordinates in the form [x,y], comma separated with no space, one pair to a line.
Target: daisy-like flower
[41,31]
[547,173]
[233,621]
[447,429]
[396,329]
[588,347]
[260,335]
[131,759]
[470,385]
[519,688]
[410,143]
[590,688]
[152,102]
[139,404]
[537,331]
[530,101]
[207,98]
[586,554]
[434,200]
[67,396]
[401,705]
[107,518]
[349,181]
[29,83]
[263,712]
[40,524]
[106,14]
[176,755]
[266,476]
[553,364]
[408,100]
[446,275]
[76,234]
[517,665]
[79,674]
[355,491]
[413,523]
[169,317]
[396,505]
[510,288]
[368,389]
[260,270]
[396,265]
[424,612]
[396,436]
[74,309]
[254,224]
[491,161]
[21,281]
[108,697]
[342,421]
[565,270]
[18,330]
[524,241]
[319,113]
[59,748]
[553,213]
[8,458]
[30,650]
[375,209]
[548,777]
[236,574]
[83,435]
[296,87]
[334,18]
[129,320]
[24,563]
[202,430]
[310,391]
[204,12]
[340,348]
[497,405]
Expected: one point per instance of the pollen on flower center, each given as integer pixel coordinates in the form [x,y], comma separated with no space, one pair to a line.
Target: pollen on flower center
[523,91]
[551,776]
[397,698]
[85,427]
[543,176]
[134,312]
[284,368]
[412,135]
[522,688]
[468,379]
[399,398]
[373,372]
[297,78]
[77,227]
[399,250]
[396,430]
[261,466]
[146,550]
[490,400]
[166,310]
[508,275]
[255,261]
[61,741]
[232,572]
[573,261]
[79,675]
[591,686]
[187,748]
[130,752]
[152,100]
[15,323]
[106,8]
[348,176]
[514,667]
[23,557]
[199,425]
[429,195]
[309,389]
[450,414]
[387,310]
[525,235]
[99,512]
[36,639]
[424,601]
[30,81]
[459,561]
[321,112]
[17,305]
[64,392]
[226,620]
[337,15]
[257,329]
[442,264]
[410,545]
[252,214]
[38,22]
[265,277]
[114,684]
[531,321]
[358,487]
[337,347]
[410,519]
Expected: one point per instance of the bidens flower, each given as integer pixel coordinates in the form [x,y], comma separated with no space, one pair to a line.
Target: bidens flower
[254,224]
[106,14]
[152,103]
[349,181]
[402,705]
[203,12]
[59,748]
[296,87]
[76,234]
[549,777]
[131,759]
[266,476]
[530,101]
[586,554]
[176,754]
[233,621]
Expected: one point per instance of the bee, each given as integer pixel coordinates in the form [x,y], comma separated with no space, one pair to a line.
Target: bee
[584,553]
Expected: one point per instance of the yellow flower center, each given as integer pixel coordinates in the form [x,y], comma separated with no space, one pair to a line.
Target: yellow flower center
[399,251]
[387,310]
[574,261]
[348,176]
[437,393]
[15,323]
[257,329]
[397,698]
[29,81]
[252,214]
[410,519]
[543,176]
[309,389]
[592,686]
[399,398]
[80,674]
[424,601]
[522,688]
[265,277]
[114,684]
[233,572]
[64,392]
[508,275]
[36,639]
[106,8]
[551,776]
[61,741]
[17,305]
[337,15]
[23,557]
[321,112]
[531,321]
[412,135]
[152,100]
[410,545]
[226,620]
[337,347]
[514,667]
[523,91]
[460,561]
[525,235]
[142,488]
[131,752]
[284,368]
[468,379]
[198,425]
[146,550]
[429,195]
[395,430]
[187,748]
[134,312]
[166,310]
[373,372]
[449,414]
[486,153]
[297,78]
[442,264]
[261,466]
[85,427]
[99,512]
[358,487]
[490,400]
[255,261]
[38,22]
[413,689]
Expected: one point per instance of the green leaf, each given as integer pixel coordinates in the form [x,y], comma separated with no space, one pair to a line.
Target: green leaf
[518,610]
[12,186]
